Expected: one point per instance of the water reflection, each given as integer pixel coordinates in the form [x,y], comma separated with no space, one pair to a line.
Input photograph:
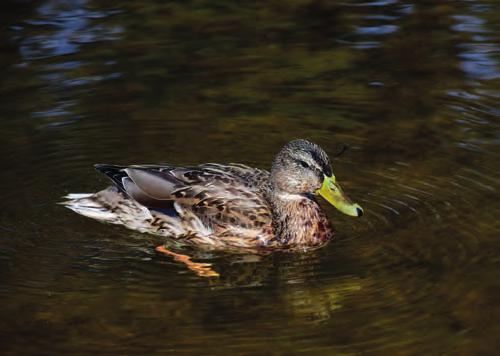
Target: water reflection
[411,87]
[67,26]
[476,55]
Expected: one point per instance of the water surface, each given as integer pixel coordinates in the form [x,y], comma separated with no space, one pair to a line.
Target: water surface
[411,87]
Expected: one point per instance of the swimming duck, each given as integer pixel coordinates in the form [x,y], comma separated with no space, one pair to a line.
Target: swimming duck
[225,206]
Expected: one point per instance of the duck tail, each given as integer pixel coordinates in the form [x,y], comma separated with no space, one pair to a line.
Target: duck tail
[89,205]
[109,205]
[114,207]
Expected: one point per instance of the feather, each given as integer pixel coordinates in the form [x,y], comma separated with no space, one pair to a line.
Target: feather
[154,183]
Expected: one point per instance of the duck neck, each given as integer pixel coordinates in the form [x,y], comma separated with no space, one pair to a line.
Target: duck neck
[298,220]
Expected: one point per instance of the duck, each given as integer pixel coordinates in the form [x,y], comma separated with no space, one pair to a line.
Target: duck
[225,206]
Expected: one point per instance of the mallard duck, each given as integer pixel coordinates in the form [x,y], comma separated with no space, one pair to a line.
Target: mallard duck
[222,206]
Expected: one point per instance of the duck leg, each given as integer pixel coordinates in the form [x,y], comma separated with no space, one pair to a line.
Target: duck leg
[201,269]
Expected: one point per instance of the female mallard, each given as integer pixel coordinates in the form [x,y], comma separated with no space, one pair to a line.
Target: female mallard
[225,206]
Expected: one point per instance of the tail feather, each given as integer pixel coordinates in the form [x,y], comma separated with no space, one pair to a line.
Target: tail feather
[109,205]
[97,213]
[97,206]
[114,173]
[114,207]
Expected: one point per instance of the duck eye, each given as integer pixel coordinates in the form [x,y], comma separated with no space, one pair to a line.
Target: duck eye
[304,164]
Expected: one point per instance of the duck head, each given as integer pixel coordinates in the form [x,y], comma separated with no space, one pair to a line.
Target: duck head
[302,167]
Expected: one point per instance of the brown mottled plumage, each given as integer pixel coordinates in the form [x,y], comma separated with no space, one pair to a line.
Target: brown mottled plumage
[220,206]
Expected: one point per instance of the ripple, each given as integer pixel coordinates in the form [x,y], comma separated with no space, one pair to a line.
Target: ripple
[191,82]
[376,30]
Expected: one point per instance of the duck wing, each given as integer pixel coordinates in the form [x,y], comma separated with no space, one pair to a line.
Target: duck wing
[221,196]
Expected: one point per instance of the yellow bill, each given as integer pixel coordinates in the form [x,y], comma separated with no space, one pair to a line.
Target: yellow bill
[331,191]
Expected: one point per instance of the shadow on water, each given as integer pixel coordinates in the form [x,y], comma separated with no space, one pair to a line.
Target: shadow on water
[411,87]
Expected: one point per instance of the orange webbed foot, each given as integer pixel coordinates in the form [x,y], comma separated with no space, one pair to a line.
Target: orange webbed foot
[201,269]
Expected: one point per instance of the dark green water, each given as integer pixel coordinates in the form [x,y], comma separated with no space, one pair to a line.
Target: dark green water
[411,87]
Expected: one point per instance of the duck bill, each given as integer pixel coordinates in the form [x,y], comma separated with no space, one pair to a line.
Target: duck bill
[331,191]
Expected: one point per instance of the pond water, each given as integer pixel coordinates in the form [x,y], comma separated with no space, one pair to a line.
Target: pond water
[411,87]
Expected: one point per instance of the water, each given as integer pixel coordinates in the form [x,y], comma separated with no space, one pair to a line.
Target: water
[411,87]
